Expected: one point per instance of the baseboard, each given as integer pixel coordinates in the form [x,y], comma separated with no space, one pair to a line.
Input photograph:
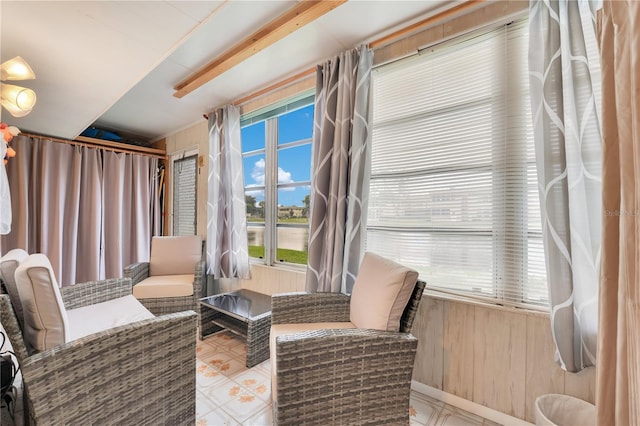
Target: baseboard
[466,405]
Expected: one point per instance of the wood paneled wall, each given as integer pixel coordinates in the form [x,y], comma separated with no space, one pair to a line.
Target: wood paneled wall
[270,280]
[502,358]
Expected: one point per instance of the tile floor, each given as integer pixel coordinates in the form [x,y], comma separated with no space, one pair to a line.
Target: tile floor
[228,393]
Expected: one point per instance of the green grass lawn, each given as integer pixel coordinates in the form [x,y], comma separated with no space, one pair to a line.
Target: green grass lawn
[283,255]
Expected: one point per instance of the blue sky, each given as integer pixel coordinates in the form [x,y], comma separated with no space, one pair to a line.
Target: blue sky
[293,163]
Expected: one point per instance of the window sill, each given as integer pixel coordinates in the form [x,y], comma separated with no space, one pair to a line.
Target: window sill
[440,295]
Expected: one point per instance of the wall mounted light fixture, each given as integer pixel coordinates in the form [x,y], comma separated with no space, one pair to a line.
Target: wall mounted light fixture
[19,101]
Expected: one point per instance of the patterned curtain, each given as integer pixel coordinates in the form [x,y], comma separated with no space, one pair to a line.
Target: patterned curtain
[565,86]
[227,250]
[340,171]
[618,381]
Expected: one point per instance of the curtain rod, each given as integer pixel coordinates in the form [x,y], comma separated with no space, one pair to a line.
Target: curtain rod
[378,43]
[105,145]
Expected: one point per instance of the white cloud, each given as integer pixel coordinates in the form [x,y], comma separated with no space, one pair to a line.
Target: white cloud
[257,174]
[284,177]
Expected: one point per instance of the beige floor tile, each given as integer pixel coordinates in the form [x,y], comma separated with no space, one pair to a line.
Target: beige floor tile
[217,358]
[232,367]
[263,418]
[451,416]
[207,376]
[243,405]
[204,405]
[423,410]
[257,382]
[216,418]
[222,392]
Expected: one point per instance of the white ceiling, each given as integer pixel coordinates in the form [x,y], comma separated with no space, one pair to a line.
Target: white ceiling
[115,63]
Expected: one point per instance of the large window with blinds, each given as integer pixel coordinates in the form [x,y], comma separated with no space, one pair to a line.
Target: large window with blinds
[453,180]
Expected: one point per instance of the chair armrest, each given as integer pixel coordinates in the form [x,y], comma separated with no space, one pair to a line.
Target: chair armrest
[369,369]
[199,277]
[140,373]
[92,292]
[291,308]
[12,328]
[136,271]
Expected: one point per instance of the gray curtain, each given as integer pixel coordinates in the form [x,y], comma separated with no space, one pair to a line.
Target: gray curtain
[127,214]
[69,203]
[564,71]
[227,249]
[340,171]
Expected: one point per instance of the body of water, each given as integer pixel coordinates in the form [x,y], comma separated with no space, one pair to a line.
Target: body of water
[288,238]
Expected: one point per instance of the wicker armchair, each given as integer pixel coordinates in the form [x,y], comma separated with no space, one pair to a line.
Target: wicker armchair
[168,251]
[139,373]
[339,375]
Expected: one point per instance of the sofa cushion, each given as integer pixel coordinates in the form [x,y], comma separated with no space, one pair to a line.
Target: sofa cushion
[164,286]
[282,329]
[380,293]
[45,319]
[174,255]
[8,265]
[103,316]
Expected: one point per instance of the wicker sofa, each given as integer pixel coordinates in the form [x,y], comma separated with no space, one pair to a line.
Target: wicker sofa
[134,374]
[324,371]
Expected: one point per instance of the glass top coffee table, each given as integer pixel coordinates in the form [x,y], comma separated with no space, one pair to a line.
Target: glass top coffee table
[243,312]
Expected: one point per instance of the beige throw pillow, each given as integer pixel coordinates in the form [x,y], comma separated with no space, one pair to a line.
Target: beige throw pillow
[8,265]
[45,318]
[381,293]
[174,255]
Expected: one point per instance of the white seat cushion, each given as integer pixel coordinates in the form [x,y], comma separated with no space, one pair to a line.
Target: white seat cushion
[282,329]
[164,286]
[174,255]
[381,293]
[103,316]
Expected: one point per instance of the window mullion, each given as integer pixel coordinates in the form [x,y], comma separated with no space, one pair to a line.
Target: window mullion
[271,189]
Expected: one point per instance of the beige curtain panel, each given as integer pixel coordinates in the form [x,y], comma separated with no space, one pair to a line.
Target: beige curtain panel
[618,371]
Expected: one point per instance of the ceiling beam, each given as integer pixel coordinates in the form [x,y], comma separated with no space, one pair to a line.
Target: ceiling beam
[297,17]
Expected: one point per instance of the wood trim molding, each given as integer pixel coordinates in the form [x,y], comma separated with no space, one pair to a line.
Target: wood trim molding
[278,85]
[431,30]
[107,145]
[121,146]
[431,20]
[377,44]
[297,17]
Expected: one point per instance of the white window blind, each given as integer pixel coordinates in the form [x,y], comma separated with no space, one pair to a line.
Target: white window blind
[453,182]
[184,195]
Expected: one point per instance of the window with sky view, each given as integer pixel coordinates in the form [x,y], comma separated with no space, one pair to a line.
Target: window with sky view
[277,171]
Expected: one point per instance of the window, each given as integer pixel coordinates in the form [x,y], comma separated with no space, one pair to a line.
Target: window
[185,184]
[453,183]
[276,150]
